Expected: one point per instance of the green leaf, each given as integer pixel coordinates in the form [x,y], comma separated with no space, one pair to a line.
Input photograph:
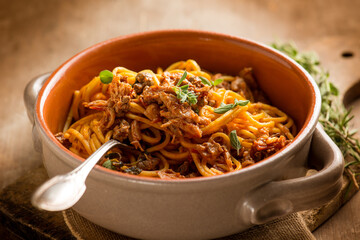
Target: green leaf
[333,89]
[192,98]
[182,78]
[183,97]
[217,81]
[184,94]
[334,117]
[106,76]
[226,107]
[241,102]
[235,143]
[205,81]
[184,88]
[210,83]
[108,164]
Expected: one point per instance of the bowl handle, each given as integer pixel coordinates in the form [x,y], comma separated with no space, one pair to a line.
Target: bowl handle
[31,92]
[279,198]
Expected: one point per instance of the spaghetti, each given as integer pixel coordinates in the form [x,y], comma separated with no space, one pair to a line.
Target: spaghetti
[178,122]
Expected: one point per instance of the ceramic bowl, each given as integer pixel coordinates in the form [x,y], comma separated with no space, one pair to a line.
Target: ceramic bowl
[199,208]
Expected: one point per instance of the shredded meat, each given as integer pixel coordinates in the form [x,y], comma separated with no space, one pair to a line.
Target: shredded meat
[263,148]
[247,75]
[169,174]
[181,116]
[135,134]
[210,151]
[152,111]
[64,141]
[175,107]
[149,163]
[184,168]
[178,117]
[179,126]
[266,145]
[97,105]
[121,131]
[239,86]
[120,95]
[152,94]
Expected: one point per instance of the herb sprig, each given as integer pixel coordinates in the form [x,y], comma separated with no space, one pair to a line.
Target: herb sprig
[334,117]
[183,92]
[226,107]
[235,143]
[211,83]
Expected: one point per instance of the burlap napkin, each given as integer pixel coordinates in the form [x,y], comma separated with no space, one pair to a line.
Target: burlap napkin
[294,226]
[289,227]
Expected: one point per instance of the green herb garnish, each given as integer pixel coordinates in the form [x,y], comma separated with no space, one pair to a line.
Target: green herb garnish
[226,107]
[182,78]
[334,117]
[211,83]
[235,143]
[183,93]
[106,76]
[108,164]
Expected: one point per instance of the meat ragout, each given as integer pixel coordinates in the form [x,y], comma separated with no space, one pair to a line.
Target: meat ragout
[175,124]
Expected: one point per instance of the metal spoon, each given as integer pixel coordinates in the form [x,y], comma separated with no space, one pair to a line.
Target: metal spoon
[63,191]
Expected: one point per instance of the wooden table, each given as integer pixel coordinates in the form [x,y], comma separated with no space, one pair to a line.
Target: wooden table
[37,36]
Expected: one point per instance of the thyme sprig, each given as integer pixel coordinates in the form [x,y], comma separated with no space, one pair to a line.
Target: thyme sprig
[334,116]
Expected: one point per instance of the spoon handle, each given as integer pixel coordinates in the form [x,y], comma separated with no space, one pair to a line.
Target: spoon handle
[83,170]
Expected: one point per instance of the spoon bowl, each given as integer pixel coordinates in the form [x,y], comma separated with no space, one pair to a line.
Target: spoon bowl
[63,191]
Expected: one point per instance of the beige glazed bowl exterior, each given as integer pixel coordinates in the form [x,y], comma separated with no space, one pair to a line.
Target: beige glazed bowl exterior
[200,208]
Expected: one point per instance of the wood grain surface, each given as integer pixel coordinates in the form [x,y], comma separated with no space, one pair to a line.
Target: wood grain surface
[37,36]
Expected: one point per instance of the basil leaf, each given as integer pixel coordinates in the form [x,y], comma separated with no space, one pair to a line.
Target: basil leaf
[205,81]
[217,81]
[106,76]
[235,143]
[224,108]
[108,164]
[182,78]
